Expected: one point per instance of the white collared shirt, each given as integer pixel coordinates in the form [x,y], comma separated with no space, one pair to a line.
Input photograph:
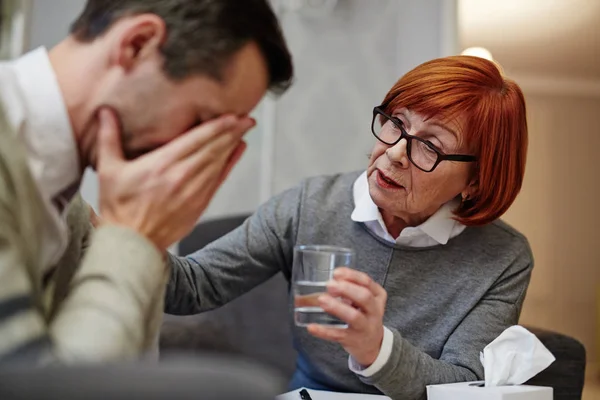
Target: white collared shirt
[35,109]
[437,229]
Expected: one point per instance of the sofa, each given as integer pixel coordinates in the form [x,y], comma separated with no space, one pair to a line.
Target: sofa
[256,326]
[181,377]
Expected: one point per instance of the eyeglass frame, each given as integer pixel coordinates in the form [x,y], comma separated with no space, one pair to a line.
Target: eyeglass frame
[441,156]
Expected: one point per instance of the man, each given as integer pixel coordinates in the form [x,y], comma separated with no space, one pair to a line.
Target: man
[153,94]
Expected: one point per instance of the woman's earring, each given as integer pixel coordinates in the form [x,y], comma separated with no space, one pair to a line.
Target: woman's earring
[465,197]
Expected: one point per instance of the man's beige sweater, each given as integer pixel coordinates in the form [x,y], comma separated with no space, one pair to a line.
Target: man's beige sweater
[103,301]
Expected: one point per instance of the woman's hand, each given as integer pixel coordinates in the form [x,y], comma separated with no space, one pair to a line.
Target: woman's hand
[364,316]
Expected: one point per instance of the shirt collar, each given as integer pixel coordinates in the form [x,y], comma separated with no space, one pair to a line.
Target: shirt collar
[364,208]
[439,226]
[51,148]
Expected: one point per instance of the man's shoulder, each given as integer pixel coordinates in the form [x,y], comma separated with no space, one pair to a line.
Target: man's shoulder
[17,188]
[12,103]
[12,157]
[20,214]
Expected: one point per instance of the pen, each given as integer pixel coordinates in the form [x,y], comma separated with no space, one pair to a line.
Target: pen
[304,395]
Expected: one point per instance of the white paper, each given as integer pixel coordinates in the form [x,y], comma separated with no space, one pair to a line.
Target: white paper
[514,357]
[323,395]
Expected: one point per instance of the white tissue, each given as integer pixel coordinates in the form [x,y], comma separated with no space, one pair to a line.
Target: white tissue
[514,357]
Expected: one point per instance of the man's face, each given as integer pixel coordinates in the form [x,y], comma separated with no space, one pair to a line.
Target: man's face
[154,109]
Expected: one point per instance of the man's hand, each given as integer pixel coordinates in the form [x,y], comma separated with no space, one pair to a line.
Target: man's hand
[162,194]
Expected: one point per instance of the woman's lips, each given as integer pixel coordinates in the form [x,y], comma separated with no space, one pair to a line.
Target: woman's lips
[386,182]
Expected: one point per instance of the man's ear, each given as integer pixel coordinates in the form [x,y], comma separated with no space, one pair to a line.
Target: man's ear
[139,37]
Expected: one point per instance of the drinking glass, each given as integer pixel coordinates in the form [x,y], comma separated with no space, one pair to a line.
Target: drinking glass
[313,266]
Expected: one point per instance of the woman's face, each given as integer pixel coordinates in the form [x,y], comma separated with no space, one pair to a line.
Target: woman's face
[402,190]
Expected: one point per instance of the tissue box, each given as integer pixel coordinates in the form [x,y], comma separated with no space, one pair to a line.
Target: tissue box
[470,391]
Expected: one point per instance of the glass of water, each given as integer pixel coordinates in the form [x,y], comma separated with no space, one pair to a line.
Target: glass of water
[313,267]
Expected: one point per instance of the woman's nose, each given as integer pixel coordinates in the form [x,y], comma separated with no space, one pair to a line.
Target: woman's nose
[398,153]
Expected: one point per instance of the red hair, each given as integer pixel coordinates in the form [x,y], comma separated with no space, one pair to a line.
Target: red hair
[490,111]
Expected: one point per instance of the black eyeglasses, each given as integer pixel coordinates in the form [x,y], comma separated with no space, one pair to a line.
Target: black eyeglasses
[422,153]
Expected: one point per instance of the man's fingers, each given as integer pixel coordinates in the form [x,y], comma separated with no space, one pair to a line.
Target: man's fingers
[233,160]
[196,178]
[109,138]
[197,183]
[218,152]
[201,136]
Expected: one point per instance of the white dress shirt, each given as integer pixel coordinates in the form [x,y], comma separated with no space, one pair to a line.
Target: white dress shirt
[438,229]
[35,108]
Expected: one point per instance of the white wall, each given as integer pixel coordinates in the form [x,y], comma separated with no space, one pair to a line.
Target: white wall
[50,20]
[345,63]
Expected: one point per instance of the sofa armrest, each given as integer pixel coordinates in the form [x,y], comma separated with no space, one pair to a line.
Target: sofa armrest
[567,374]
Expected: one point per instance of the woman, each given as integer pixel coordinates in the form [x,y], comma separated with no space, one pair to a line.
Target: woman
[438,275]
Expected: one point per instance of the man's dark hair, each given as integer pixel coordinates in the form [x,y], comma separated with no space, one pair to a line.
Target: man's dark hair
[202,35]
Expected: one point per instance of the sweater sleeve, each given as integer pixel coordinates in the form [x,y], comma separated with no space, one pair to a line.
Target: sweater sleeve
[104,315]
[409,370]
[237,262]
[111,298]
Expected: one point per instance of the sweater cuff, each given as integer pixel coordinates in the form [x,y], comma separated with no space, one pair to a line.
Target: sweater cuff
[131,262]
[385,352]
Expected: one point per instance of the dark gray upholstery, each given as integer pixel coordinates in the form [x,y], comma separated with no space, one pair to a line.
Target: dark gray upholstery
[567,374]
[177,377]
[256,325]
